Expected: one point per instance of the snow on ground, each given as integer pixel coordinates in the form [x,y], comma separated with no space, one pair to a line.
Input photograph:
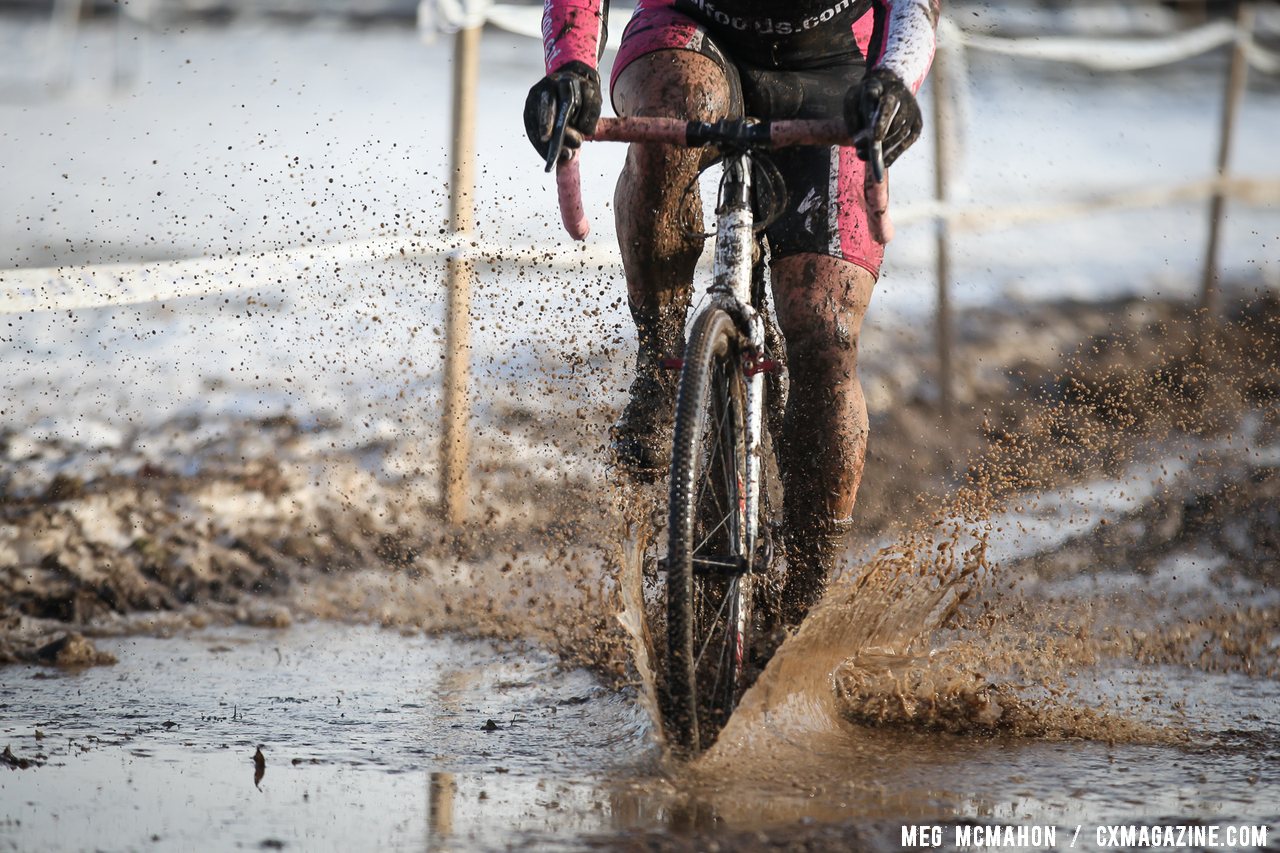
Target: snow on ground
[260,136]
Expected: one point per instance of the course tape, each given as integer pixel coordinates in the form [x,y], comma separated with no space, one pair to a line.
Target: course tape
[1125,54]
[1261,192]
[92,286]
[1109,54]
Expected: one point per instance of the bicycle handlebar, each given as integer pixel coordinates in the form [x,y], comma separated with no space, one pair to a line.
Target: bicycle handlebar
[692,134]
[569,186]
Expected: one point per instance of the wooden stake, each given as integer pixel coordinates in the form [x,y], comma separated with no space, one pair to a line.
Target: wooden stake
[941,181]
[455,485]
[1236,77]
[442,794]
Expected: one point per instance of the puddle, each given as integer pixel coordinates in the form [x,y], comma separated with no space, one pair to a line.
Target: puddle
[157,752]
[158,749]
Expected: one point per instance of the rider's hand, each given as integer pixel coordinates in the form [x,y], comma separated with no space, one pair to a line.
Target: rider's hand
[883,107]
[540,106]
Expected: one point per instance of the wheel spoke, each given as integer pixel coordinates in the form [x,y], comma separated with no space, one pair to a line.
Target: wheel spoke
[715,432]
[711,630]
[710,533]
[724,665]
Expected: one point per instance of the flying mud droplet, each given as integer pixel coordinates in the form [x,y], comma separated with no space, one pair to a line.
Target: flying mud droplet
[259,767]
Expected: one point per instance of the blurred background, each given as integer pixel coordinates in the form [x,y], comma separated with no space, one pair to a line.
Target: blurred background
[1080,145]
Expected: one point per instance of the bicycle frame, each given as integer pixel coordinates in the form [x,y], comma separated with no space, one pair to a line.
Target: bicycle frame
[735,242]
[731,291]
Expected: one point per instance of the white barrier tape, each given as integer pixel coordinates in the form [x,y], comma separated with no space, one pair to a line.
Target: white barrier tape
[1127,54]
[71,288]
[1099,54]
[1262,60]
[527,21]
[98,285]
[1256,191]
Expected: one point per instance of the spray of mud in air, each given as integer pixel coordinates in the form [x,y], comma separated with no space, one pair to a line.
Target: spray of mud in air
[1118,470]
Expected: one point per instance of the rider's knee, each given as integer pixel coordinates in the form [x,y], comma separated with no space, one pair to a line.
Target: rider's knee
[659,165]
[668,84]
[820,303]
[673,84]
[822,339]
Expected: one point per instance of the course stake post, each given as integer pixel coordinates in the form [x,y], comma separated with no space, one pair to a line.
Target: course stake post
[1236,78]
[455,486]
[942,134]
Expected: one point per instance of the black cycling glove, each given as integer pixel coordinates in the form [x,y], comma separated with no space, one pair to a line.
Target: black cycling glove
[544,98]
[883,104]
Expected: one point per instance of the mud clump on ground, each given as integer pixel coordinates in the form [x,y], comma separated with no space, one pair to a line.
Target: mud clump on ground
[1076,386]
[72,651]
[257,522]
[15,762]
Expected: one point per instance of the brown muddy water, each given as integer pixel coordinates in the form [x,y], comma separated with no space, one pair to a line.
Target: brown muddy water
[371,740]
[157,752]
[384,739]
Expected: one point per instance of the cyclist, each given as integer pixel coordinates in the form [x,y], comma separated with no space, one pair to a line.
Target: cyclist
[712,59]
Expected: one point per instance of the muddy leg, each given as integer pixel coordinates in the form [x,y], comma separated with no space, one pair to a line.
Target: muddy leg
[652,214]
[821,302]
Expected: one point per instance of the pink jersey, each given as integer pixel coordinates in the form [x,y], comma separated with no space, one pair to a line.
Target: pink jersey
[893,34]
[571,30]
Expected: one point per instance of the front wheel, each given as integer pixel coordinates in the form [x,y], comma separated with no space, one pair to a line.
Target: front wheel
[708,584]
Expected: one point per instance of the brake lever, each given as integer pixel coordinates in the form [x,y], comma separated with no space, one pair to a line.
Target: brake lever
[568,96]
[872,101]
[875,154]
[877,161]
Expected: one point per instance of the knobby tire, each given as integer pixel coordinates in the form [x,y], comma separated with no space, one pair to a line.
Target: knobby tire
[708,602]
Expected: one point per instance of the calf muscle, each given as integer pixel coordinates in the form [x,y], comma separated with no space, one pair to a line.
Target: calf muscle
[821,303]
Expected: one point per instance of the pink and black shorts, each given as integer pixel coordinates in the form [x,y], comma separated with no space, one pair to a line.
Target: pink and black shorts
[825,212]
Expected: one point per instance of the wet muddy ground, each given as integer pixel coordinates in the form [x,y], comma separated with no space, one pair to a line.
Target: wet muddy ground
[371,739]
[256,634]
[374,739]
